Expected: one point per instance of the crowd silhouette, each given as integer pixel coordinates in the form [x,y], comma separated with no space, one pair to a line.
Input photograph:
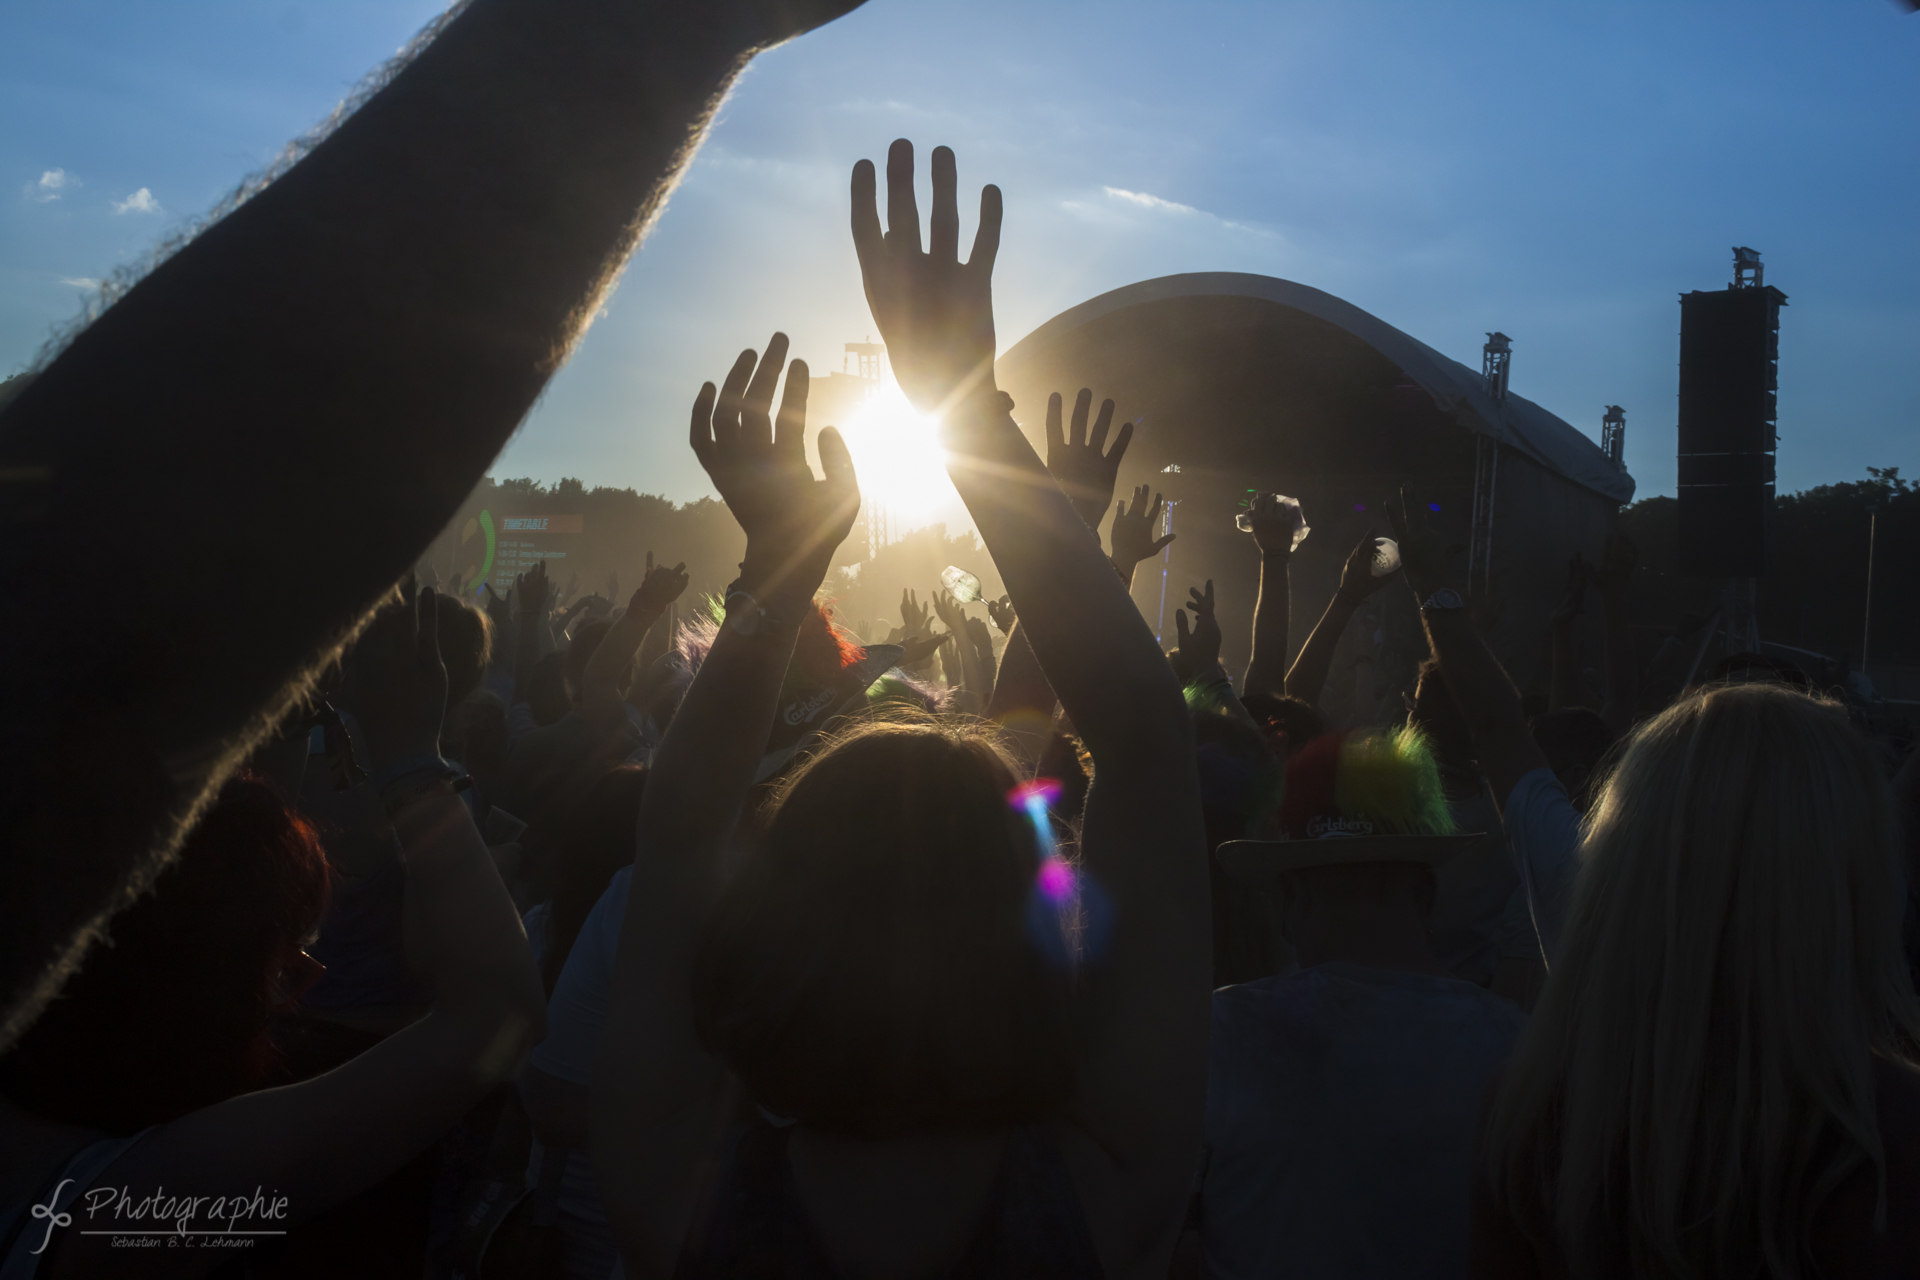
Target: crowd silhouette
[363,931]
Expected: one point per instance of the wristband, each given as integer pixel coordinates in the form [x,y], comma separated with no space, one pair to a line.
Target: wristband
[747,615]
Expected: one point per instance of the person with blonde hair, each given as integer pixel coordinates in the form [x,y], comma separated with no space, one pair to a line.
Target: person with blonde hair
[1720,1076]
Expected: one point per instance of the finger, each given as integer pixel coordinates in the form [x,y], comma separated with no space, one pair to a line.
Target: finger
[1164,542]
[986,241]
[756,424]
[1209,595]
[790,428]
[726,410]
[1120,443]
[836,462]
[943,240]
[1119,513]
[1101,422]
[1056,440]
[1180,626]
[1077,428]
[1159,504]
[867,236]
[903,214]
[681,569]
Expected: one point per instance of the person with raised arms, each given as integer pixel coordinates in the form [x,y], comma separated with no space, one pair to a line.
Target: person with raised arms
[943,1082]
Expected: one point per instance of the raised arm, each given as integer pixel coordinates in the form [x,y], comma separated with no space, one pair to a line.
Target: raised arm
[610,670]
[973,682]
[1481,687]
[1197,661]
[656,1091]
[1273,523]
[1136,1118]
[1309,673]
[317,379]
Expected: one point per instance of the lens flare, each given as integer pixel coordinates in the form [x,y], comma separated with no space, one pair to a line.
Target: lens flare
[1040,793]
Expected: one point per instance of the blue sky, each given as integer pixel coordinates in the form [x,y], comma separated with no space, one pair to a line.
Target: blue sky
[1558,171]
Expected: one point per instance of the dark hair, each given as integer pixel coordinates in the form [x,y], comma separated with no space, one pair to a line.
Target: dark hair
[1437,715]
[172,1015]
[575,857]
[1298,720]
[875,967]
[466,646]
[585,641]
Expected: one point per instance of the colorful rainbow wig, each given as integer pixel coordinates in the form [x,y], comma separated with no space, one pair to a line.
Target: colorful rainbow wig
[1385,778]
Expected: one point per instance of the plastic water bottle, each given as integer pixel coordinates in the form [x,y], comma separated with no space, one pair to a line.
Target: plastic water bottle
[1386,557]
[962,585]
[1244,521]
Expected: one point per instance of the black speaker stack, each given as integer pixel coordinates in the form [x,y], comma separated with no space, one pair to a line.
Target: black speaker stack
[1729,376]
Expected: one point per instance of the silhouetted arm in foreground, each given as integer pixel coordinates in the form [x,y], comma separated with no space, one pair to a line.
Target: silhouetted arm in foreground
[305,392]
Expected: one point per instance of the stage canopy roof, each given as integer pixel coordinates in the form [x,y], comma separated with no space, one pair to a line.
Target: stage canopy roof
[1457,391]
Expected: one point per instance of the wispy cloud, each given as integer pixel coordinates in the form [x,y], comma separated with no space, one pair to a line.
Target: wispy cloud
[1146,201]
[80,282]
[141,201]
[50,186]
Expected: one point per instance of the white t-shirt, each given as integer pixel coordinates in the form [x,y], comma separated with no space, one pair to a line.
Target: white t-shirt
[1544,830]
[1342,1104]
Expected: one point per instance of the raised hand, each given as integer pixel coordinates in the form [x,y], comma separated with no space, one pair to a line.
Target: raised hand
[758,462]
[949,611]
[1132,534]
[918,648]
[1003,614]
[913,614]
[400,682]
[533,591]
[1078,458]
[1574,595]
[499,610]
[1199,652]
[1356,576]
[1617,560]
[1273,524]
[935,312]
[660,588]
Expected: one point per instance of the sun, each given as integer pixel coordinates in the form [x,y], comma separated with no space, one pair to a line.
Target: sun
[898,459]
